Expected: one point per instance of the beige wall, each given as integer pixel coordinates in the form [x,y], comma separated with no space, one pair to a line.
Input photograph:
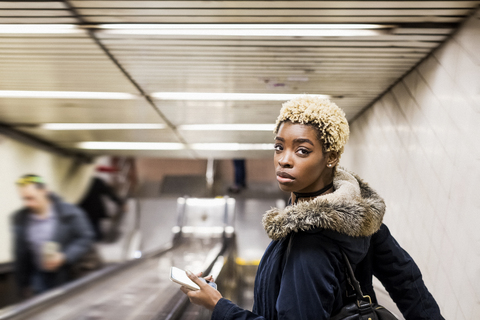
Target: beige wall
[61,173]
[155,169]
[418,146]
[257,170]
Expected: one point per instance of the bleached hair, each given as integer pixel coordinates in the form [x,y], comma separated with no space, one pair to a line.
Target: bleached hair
[323,115]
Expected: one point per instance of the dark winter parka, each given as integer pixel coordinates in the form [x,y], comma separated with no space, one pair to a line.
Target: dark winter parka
[309,283]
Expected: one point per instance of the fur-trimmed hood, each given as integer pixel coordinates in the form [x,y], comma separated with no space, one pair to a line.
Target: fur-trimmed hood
[353,209]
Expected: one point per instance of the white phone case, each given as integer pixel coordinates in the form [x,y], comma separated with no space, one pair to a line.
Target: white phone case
[179,276]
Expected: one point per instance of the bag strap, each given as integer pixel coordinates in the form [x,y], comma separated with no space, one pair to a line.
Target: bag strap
[287,252]
[351,278]
[349,272]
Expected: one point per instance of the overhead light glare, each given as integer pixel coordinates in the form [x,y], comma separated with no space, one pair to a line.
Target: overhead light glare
[101,126]
[40,28]
[227,127]
[114,145]
[231,146]
[265,30]
[66,95]
[205,202]
[204,96]
[242,26]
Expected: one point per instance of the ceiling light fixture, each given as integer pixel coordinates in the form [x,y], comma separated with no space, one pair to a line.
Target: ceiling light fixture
[66,95]
[40,28]
[265,30]
[231,146]
[101,126]
[203,96]
[227,127]
[115,145]
[251,30]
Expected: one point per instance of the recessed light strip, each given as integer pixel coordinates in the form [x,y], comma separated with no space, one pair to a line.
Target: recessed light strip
[227,127]
[40,28]
[204,96]
[101,126]
[67,95]
[254,30]
[198,96]
[114,145]
[231,146]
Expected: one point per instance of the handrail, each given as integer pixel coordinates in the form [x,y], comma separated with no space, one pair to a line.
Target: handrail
[44,300]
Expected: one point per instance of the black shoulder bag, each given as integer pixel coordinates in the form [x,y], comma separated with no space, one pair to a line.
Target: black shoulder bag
[360,307]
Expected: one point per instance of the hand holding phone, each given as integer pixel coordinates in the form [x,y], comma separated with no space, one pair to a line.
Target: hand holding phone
[179,276]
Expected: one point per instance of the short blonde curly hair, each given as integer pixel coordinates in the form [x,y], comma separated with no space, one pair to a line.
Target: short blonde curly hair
[325,116]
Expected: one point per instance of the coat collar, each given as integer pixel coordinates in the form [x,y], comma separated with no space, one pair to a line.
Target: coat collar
[353,209]
[62,211]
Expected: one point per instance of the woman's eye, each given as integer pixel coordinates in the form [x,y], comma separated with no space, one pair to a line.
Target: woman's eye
[303,152]
[278,147]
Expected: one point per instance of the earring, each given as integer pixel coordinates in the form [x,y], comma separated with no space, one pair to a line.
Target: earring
[329,165]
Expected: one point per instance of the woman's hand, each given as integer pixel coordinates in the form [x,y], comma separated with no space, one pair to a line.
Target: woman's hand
[206,297]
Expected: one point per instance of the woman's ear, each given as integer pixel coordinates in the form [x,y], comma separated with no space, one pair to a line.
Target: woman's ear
[332,159]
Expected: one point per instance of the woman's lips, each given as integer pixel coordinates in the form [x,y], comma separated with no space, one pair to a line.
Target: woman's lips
[284,177]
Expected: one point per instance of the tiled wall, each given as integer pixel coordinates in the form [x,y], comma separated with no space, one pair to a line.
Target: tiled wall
[419,147]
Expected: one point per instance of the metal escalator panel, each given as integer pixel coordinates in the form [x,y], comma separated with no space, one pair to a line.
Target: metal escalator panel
[205,217]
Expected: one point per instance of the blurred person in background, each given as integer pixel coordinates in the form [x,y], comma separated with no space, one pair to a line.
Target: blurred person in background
[50,236]
[93,203]
[240,176]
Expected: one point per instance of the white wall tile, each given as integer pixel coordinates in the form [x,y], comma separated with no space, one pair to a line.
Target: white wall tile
[418,146]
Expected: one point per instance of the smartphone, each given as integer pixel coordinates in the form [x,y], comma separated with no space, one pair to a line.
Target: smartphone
[179,276]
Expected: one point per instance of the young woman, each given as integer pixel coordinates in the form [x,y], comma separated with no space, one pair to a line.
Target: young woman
[301,274]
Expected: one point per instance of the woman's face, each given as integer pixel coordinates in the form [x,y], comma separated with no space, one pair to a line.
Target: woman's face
[300,163]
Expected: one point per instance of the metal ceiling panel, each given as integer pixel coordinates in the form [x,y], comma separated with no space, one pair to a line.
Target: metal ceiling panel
[353,70]
[58,63]
[37,111]
[229,136]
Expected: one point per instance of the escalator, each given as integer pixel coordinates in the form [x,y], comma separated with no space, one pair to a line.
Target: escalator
[140,289]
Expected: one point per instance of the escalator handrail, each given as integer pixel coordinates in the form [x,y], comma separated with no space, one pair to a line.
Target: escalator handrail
[48,298]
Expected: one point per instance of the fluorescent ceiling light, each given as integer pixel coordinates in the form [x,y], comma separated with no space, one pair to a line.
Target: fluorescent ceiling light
[255,30]
[232,146]
[101,126]
[228,127]
[66,95]
[265,30]
[111,145]
[40,28]
[115,145]
[228,96]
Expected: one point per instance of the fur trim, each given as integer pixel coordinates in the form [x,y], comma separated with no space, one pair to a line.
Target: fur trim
[353,209]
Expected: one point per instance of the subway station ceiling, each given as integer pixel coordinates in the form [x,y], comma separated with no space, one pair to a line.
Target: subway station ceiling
[158,78]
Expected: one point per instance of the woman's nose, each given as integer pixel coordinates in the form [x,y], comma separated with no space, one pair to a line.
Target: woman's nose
[285,161]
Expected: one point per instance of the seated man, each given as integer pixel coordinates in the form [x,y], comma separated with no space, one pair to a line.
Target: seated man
[49,236]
